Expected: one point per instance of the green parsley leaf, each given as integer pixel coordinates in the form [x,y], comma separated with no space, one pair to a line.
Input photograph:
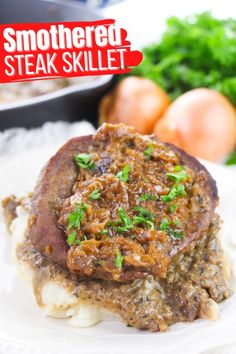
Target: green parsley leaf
[119,259]
[176,221]
[75,218]
[104,232]
[172,208]
[176,234]
[179,175]
[124,217]
[164,225]
[178,168]
[145,213]
[142,220]
[95,194]
[71,220]
[124,174]
[197,36]
[174,192]
[126,221]
[84,161]
[147,196]
[71,238]
[181,190]
[144,217]
[148,151]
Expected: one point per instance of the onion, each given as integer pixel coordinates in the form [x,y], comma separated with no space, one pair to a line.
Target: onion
[202,122]
[137,102]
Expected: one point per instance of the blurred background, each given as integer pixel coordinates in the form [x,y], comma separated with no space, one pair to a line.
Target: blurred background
[184,91]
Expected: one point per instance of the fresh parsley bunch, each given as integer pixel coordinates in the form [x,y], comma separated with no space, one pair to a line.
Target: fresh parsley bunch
[198,51]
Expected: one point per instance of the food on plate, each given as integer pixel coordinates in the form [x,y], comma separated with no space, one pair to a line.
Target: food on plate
[122,224]
[197,51]
[17,91]
[135,102]
[202,122]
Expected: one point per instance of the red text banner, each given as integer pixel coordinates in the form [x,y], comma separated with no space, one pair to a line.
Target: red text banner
[68,49]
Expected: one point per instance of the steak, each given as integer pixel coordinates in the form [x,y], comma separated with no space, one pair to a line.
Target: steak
[120,206]
[123,223]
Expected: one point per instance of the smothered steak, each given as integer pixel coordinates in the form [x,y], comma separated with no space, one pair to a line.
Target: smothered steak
[120,206]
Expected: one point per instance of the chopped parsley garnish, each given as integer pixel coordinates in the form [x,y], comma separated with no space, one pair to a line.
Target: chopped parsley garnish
[176,190]
[119,259]
[178,175]
[172,208]
[84,161]
[127,223]
[124,174]
[95,194]
[71,238]
[141,220]
[145,213]
[147,196]
[75,218]
[176,234]
[178,168]
[104,232]
[176,221]
[144,217]
[164,225]
[148,151]
[197,36]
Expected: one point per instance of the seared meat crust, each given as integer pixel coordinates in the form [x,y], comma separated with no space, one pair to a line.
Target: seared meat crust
[54,185]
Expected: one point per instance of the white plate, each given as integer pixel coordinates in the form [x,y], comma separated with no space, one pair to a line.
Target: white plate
[23,329]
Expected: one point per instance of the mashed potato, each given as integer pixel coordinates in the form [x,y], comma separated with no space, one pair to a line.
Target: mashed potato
[56,298]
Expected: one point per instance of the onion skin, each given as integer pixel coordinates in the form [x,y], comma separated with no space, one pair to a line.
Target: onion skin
[137,102]
[202,122]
